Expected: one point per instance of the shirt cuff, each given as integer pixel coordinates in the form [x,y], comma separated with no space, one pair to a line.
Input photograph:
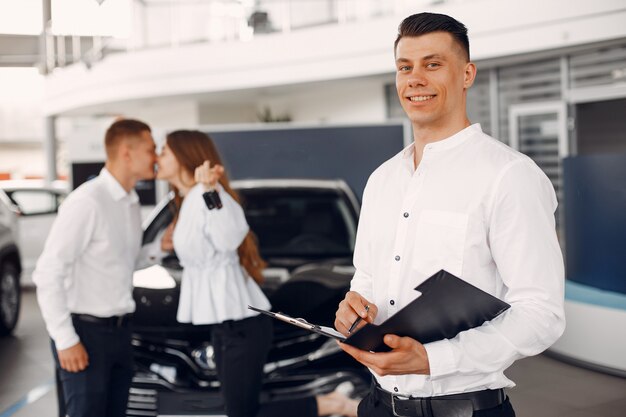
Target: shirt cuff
[441,358]
[66,339]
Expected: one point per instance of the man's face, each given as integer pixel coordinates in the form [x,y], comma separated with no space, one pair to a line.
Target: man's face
[142,156]
[432,75]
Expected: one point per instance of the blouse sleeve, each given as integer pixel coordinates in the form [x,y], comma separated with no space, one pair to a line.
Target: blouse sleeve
[226,227]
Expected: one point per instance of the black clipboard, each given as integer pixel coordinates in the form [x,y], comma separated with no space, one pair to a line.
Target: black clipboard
[446,307]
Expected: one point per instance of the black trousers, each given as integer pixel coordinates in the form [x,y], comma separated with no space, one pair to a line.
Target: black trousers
[101,390]
[241,349]
[370,407]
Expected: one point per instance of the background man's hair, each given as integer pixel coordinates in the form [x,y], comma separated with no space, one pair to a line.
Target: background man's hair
[423,23]
[122,130]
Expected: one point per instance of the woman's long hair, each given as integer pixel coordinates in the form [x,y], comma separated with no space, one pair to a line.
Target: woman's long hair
[191,148]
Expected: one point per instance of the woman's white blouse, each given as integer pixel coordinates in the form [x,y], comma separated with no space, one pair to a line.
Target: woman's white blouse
[215,287]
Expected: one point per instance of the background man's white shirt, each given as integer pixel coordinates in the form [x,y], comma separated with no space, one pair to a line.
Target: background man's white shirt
[88,261]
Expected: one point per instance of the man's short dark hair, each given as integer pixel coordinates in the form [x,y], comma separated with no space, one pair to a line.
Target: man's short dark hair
[423,23]
[121,130]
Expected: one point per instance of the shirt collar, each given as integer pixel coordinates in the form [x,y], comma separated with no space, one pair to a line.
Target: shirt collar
[115,188]
[454,140]
[447,143]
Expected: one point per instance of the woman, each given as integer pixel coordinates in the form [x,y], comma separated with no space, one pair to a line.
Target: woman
[222,272]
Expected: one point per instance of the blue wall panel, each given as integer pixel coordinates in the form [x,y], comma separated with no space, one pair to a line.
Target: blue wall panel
[595,220]
[350,153]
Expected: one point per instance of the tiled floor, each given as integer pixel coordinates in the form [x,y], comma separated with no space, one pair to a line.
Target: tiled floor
[545,386]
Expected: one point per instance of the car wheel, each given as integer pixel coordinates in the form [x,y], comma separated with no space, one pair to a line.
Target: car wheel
[9,297]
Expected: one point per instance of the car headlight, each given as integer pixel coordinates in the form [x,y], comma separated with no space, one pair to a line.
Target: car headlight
[204,357]
[155,277]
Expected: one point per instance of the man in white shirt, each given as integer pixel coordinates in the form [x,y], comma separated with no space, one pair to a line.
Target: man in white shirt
[456,199]
[84,276]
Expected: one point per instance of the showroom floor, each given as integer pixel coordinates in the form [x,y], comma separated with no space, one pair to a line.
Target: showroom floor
[545,387]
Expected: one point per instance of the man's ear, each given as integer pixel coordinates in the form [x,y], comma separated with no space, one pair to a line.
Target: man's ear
[470,75]
[123,151]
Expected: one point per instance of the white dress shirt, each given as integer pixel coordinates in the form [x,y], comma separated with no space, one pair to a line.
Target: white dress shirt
[215,287]
[485,213]
[89,257]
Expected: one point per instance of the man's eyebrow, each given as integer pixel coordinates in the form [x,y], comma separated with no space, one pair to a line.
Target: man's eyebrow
[424,58]
[431,56]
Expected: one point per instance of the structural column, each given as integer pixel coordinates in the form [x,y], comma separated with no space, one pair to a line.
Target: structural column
[50,138]
[50,148]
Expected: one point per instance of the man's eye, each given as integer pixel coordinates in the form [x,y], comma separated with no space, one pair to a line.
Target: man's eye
[433,65]
[404,68]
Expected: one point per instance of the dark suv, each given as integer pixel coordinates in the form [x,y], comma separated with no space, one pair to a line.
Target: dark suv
[10,266]
[306,231]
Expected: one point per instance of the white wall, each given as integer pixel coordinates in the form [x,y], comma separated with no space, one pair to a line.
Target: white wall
[166,114]
[221,113]
[344,101]
[357,100]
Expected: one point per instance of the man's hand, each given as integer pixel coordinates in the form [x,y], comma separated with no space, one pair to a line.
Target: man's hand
[207,175]
[167,242]
[352,307]
[407,357]
[74,358]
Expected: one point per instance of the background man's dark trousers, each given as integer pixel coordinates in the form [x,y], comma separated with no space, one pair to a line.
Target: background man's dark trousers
[101,390]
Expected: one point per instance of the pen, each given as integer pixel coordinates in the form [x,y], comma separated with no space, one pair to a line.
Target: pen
[358,320]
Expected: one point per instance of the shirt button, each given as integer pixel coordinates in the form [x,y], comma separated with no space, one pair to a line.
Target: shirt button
[397,258]
[395,389]
[392,302]
[406,215]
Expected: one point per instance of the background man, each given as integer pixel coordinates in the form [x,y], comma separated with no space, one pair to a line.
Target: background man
[455,199]
[84,276]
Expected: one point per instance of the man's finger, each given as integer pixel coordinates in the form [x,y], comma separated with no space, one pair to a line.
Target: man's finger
[392,341]
[358,305]
[372,313]
[366,358]
[84,362]
[342,325]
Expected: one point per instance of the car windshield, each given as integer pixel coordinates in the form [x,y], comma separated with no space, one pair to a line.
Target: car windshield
[300,222]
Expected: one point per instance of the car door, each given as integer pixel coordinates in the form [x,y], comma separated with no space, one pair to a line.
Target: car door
[37,210]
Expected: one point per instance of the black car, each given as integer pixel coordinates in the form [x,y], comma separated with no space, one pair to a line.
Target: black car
[306,231]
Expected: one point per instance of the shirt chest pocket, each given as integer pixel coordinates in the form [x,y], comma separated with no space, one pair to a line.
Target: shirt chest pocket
[440,242]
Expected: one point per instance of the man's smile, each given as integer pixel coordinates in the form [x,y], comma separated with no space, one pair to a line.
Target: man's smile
[420,98]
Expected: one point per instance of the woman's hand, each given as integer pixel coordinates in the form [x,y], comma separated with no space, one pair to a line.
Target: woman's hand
[167,242]
[208,176]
